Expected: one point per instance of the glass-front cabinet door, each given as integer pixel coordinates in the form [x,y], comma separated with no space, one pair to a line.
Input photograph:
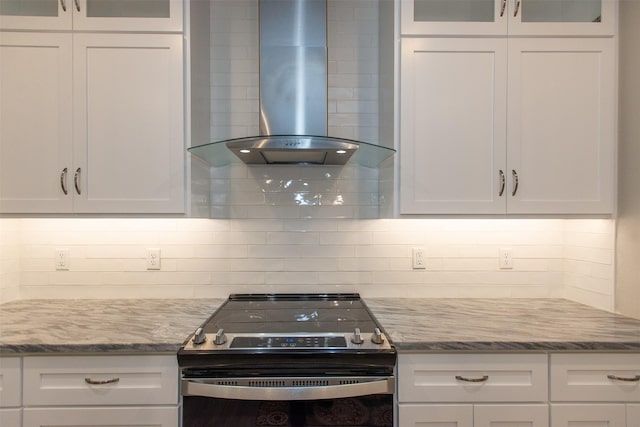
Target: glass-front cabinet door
[512,17]
[453,17]
[35,14]
[92,15]
[563,17]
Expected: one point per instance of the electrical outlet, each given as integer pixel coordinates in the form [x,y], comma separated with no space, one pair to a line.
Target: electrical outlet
[419,262]
[62,258]
[153,259]
[505,258]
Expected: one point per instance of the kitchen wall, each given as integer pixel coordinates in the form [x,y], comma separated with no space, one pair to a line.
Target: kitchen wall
[628,232]
[211,258]
[10,247]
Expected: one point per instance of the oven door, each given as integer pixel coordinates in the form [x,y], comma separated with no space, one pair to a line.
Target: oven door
[288,401]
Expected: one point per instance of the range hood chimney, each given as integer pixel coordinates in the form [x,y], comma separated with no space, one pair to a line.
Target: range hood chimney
[293,93]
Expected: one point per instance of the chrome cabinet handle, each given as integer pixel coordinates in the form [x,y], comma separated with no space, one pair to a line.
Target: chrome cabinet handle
[617,378]
[76,179]
[515,13]
[77,3]
[515,182]
[472,380]
[502,8]
[99,382]
[63,179]
[503,182]
[64,5]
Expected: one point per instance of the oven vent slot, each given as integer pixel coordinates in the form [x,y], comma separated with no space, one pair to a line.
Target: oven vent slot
[354,381]
[310,383]
[267,383]
[227,382]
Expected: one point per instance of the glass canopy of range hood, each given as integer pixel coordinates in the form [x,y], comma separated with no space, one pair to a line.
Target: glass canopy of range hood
[294,149]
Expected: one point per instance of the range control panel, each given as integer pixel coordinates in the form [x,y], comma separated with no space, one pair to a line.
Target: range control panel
[289,341]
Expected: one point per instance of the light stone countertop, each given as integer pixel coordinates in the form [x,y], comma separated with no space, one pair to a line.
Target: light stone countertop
[425,324]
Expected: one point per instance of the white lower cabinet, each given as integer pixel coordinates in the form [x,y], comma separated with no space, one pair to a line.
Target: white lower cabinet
[529,415]
[499,389]
[595,389]
[10,391]
[83,417]
[633,415]
[70,391]
[601,415]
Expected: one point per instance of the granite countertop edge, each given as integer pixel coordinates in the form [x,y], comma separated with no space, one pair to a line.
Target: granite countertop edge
[414,325]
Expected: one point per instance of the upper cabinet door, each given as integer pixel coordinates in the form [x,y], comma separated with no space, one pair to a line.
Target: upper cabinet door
[35,14]
[128,15]
[508,17]
[453,113]
[92,15]
[563,17]
[128,123]
[453,17]
[35,122]
[561,126]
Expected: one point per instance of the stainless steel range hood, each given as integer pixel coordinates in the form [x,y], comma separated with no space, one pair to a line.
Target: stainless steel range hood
[293,95]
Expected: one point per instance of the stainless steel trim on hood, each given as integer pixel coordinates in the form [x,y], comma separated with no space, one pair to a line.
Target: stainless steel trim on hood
[293,93]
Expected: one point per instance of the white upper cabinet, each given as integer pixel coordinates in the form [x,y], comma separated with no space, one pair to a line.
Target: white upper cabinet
[92,15]
[513,17]
[496,125]
[35,122]
[91,123]
[561,126]
[453,125]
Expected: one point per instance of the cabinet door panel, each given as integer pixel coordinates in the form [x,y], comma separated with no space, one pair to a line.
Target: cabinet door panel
[129,15]
[588,415]
[101,417]
[128,127]
[435,416]
[35,14]
[457,17]
[35,122]
[633,415]
[561,126]
[511,415]
[564,18]
[10,382]
[453,111]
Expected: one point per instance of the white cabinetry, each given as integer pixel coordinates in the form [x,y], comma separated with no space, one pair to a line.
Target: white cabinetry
[86,390]
[595,388]
[513,17]
[91,123]
[10,391]
[472,389]
[101,15]
[519,126]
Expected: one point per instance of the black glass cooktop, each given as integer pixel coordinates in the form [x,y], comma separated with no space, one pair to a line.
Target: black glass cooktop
[291,314]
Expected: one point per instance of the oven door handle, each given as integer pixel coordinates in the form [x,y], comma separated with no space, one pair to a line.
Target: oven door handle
[202,388]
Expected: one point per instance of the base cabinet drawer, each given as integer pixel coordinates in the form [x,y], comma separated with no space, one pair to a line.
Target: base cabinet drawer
[473,415]
[601,415]
[610,377]
[112,417]
[100,380]
[472,378]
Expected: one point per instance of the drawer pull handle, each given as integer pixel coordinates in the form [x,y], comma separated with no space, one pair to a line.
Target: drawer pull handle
[617,378]
[472,380]
[99,382]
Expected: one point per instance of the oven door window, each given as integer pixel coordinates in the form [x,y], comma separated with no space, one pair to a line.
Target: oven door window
[364,411]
